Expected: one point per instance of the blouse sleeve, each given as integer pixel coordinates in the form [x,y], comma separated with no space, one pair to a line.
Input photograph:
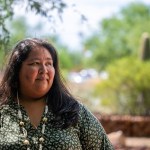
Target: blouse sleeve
[92,134]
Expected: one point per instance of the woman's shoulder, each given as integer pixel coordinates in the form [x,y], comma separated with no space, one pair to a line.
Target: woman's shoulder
[88,122]
[4,107]
[8,107]
[85,113]
[83,109]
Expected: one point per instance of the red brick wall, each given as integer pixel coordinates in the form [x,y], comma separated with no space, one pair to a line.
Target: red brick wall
[130,125]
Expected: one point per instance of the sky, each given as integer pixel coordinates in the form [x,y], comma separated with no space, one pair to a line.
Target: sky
[71,27]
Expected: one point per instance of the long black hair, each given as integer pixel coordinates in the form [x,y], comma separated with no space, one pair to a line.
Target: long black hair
[61,102]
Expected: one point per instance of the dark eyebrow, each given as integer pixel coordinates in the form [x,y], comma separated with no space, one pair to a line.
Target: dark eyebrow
[33,59]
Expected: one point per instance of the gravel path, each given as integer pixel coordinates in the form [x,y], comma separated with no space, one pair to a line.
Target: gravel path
[138,142]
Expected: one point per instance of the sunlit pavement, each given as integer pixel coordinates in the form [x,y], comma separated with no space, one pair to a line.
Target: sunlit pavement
[121,142]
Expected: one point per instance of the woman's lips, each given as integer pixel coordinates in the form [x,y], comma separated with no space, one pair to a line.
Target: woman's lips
[42,78]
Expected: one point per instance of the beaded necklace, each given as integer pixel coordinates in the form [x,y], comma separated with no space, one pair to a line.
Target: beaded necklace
[24,131]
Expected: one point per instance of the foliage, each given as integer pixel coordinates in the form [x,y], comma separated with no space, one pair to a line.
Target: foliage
[15,36]
[19,29]
[65,59]
[1,59]
[118,36]
[123,92]
[44,8]
[68,60]
[6,12]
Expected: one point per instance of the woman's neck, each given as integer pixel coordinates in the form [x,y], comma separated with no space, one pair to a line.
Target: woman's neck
[25,102]
[34,109]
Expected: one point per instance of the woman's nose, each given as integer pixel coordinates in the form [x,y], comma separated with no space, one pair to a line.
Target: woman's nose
[43,69]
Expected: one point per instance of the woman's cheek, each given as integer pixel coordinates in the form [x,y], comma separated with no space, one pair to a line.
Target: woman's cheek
[32,73]
[52,72]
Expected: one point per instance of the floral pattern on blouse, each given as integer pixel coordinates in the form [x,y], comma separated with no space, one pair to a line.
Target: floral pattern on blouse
[88,134]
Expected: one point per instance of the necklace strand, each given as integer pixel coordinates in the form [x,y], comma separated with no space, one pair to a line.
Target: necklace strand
[24,131]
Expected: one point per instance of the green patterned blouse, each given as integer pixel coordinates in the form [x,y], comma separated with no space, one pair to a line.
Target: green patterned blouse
[87,135]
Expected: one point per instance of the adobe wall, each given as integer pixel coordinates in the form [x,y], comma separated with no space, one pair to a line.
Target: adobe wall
[130,125]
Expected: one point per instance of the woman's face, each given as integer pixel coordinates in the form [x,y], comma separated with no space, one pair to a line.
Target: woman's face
[36,74]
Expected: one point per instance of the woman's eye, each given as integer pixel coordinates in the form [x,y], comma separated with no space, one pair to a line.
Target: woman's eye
[49,64]
[34,63]
[38,63]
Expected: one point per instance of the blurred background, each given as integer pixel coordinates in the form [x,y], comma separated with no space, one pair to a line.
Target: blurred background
[104,51]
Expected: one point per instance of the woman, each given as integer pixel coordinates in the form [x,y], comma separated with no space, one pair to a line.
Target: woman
[37,111]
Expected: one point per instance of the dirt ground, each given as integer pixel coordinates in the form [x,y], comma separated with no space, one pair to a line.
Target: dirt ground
[130,143]
[140,142]
[137,144]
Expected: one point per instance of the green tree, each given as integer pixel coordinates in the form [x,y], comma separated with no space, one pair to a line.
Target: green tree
[127,89]
[44,8]
[16,35]
[119,35]
[19,30]
[68,60]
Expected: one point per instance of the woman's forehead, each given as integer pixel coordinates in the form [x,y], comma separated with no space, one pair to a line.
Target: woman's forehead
[39,53]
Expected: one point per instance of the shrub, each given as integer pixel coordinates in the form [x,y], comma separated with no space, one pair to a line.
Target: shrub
[127,91]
